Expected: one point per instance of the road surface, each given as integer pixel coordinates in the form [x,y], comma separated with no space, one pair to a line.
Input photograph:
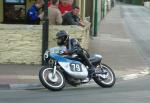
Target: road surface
[133,91]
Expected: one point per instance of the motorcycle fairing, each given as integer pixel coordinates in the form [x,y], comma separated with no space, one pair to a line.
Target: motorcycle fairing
[74,68]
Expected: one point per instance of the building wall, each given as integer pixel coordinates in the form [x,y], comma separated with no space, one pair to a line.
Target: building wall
[89,9]
[1,10]
[135,2]
[22,44]
[82,5]
[99,15]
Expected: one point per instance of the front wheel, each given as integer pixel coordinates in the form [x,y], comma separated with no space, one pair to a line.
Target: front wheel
[54,83]
[106,78]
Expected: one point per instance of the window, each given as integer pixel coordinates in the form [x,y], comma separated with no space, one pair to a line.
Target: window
[15,1]
[14,11]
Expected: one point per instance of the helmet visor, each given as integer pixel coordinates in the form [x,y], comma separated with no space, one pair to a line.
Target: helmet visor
[59,41]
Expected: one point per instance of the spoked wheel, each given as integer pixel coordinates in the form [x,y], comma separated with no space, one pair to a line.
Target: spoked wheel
[51,82]
[106,78]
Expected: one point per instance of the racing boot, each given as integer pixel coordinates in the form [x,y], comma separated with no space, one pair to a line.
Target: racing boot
[91,72]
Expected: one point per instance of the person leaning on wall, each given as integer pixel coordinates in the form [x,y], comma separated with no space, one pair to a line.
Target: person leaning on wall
[33,13]
[72,18]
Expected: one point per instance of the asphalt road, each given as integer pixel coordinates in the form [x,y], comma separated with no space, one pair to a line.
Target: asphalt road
[133,91]
[137,22]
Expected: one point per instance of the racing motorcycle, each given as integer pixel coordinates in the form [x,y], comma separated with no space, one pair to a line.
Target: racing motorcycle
[61,69]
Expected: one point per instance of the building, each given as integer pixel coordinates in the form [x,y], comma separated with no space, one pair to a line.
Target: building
[135,2]
[14,11]
[26,40]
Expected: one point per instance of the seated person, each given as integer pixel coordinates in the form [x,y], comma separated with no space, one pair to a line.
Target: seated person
[65,6]
[71,18]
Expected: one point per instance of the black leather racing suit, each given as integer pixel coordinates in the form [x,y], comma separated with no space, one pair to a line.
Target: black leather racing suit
[73,46]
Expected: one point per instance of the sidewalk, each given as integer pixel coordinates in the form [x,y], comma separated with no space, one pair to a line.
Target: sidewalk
[19,73]
[113,43]
[117,48]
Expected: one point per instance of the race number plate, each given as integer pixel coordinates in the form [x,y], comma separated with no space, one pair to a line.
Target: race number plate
[76,67]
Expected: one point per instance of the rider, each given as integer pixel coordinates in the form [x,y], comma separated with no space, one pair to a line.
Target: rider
[73,46]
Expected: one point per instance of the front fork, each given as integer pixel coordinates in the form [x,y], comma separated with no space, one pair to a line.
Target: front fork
[54,70]
[102,73]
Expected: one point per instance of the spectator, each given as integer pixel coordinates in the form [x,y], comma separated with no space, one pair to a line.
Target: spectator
[72,18]
[49,3]
[54,15]
[65,6]
[33,16]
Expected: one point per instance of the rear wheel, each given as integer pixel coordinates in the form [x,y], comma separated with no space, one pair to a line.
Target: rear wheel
[106,78]
[55,83]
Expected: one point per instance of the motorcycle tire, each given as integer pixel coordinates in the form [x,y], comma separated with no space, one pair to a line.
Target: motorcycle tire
[49,82]
[102,82]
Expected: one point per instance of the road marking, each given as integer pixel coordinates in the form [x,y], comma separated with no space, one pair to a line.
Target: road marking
[130,76]
[136,75]
[21,77]
[27,77]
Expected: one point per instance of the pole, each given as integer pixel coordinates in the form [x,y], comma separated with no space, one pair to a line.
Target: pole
[96,18]
[45,31]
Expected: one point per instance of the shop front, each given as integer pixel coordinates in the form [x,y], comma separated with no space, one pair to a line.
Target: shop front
[14,11]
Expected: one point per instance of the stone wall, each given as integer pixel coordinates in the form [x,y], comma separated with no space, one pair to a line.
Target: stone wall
[22,44]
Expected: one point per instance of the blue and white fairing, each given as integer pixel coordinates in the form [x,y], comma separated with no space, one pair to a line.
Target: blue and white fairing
[74,68]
